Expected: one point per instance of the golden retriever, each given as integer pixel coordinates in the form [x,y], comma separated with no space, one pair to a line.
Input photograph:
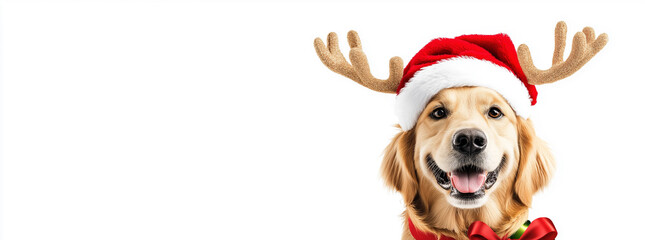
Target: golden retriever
[469,158]
[470,155]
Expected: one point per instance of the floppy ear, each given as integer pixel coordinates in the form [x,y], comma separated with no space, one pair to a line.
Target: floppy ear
[536,164]
[398,165]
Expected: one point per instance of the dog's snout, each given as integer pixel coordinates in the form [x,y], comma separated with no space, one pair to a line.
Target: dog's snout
[469,141]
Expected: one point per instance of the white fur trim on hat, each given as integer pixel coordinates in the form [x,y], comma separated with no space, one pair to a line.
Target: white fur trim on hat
[458,72]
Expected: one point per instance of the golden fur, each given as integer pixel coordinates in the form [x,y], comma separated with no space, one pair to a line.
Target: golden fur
[528,168]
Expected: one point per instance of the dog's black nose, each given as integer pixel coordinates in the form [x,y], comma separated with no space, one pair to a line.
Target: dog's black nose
[469,141]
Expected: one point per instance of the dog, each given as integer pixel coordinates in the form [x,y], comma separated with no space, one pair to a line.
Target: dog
[467,133]
[466,152]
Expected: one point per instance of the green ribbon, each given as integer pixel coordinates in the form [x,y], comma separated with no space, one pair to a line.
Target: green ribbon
[520,231]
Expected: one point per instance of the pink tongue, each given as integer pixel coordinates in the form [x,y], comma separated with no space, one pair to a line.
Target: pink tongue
[467,182]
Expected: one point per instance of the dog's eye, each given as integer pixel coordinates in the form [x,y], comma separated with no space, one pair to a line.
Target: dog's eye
[438,113]
[495,113]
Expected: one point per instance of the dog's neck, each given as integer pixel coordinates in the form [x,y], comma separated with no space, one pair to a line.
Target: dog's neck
[502,213]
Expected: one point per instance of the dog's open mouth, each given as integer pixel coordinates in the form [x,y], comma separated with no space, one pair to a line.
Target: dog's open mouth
[466,182]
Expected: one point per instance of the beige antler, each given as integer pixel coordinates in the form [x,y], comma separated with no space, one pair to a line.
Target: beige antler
[585,46]
[359,69]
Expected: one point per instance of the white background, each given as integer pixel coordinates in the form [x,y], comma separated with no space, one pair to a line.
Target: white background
[198,120]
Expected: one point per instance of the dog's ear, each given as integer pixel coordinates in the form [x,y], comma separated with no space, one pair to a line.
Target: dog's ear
[398,165]
[536,164]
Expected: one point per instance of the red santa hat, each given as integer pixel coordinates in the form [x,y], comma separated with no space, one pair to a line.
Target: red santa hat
[471,60]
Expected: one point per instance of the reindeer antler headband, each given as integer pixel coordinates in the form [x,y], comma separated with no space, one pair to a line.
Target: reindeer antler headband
[470,60]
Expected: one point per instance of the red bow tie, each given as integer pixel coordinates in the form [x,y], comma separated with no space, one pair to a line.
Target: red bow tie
[540,229]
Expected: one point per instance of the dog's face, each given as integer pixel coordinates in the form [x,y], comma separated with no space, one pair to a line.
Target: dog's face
[465,138]
[467,147]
